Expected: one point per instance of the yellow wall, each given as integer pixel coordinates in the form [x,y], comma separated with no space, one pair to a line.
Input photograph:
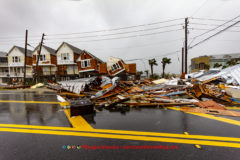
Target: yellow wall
[47,57]
[29,71]
[199,60]
[21,58]
[10,59]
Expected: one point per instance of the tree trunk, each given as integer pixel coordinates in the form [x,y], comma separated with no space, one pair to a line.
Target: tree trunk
[163,74]
[152,70]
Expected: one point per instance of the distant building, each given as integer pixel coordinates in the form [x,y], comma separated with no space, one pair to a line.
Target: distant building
[207,62]
[200,63]
[223,59]
[3,67]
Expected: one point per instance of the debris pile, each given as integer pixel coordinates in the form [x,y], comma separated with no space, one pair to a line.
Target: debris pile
[207,93]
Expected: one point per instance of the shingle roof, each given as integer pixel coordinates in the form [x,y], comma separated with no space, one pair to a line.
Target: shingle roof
[93,56]
[3,54]
[50,50]
[29,52]
[75,49]
[225,56]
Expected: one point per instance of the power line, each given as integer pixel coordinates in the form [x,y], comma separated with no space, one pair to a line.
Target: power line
[208,19]
[111,34]
[205,24]
[216,30]
[143,45]
[18,40]
[18,36]
[199,8]
[91,36]
[146,58]
[213,29]
[105,39]
[116,38]
[94,31]
[120,28]
[214,35]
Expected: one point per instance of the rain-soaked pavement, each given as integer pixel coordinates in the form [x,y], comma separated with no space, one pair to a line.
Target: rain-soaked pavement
[21,145]
[31,114]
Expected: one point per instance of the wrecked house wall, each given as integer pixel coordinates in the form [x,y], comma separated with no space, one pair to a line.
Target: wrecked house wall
[115,66]
[131,68]
[88,64]
[103,68]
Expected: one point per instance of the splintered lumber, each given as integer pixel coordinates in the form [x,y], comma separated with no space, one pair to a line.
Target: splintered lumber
[211,111]
[156,104]
[210,105]
[71,95]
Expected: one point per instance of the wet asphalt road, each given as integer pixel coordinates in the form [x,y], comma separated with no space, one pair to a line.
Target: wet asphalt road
[30,146]
[31,114]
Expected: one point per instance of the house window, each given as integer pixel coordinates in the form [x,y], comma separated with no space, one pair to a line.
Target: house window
[201,65]
[3,60]
[85,63]
[15,59]
[65,56]
[115,67]
[42,58]
[196,66]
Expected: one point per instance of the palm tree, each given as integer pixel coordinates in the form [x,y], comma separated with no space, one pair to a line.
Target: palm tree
[232,62]
[164,62]
[146,72]
[217,65]
[152,62]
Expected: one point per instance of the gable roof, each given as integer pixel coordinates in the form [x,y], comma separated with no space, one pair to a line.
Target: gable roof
[50,50]
[3,54]
[84,51]
[224,56]
[75,49]
[29,52]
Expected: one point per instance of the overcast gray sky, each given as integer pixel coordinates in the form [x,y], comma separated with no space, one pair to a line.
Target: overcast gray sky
[76,16]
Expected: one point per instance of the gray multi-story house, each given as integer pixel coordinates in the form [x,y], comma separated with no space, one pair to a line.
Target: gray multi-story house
[4,74]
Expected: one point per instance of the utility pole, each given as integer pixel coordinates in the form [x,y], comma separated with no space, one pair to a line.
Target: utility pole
[186,44]
[25,58]
[38,55]
[182,60]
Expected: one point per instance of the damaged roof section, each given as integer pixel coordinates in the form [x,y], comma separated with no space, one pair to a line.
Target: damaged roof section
[231,75]
[117,66]
[78,85]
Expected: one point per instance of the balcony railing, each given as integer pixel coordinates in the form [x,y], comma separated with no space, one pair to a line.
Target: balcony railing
[3,74]
[3,64]
[47,73]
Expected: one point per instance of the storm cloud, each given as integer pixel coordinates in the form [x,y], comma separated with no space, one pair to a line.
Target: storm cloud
[74,16]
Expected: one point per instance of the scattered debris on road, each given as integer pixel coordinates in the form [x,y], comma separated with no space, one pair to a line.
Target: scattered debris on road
[203,92]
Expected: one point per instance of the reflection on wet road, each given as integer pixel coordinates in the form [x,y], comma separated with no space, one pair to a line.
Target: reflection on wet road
[31,114]
[35,121]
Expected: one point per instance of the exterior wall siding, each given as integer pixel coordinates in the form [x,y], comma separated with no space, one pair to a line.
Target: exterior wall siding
[197,62]
[65,49]
[121,64]
[131,68]
[94,64]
